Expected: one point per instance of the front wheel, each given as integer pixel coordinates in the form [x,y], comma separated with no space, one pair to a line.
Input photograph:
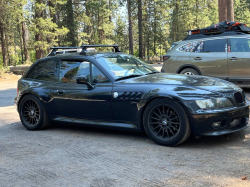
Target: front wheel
[32,113]
[166,123]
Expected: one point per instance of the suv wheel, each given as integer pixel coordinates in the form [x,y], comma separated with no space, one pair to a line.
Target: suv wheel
[166,123]
[32,113]
[189,71]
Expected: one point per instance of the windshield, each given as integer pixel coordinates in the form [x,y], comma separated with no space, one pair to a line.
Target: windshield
[125,66]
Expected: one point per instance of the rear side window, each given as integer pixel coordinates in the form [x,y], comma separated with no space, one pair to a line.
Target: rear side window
[215,45]
[45,70]
[192,47]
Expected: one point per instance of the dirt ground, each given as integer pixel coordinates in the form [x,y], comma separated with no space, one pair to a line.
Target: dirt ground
[67,155]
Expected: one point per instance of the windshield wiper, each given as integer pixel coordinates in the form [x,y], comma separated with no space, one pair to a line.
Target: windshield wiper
[127,77]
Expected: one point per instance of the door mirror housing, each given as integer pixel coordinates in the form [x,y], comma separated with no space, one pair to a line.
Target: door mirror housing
[84,80]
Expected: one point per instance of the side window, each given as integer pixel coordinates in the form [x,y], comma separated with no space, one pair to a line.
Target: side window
[192,47]
[215,45]
[70,70]
[98,76]
[239,45]
[45,70]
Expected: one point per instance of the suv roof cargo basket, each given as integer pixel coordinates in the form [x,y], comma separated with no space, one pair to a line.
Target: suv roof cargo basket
[83,47]
[224,28]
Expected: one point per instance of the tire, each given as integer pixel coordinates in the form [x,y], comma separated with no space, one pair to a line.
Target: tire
[189,71]
[32,113]
[173,125]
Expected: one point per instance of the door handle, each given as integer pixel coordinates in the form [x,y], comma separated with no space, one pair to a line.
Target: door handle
[60,92]
[233,58]
[198,58]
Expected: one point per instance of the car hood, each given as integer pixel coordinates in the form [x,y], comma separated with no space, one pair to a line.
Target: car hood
[201,82]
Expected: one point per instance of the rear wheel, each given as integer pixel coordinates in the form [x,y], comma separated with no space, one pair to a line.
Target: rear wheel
[189,71]
[32,113]
[166,123]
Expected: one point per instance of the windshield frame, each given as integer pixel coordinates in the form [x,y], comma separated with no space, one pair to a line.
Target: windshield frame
[139,61]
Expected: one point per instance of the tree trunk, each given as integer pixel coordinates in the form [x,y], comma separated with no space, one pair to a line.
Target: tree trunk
[154,28]
[21,40]
[24,33]
[131,51]
[71,24]
[53,16]
[4,54]
[176,34]
[230,10]
[38,36]
[222,10]
[7,48]
[140,27]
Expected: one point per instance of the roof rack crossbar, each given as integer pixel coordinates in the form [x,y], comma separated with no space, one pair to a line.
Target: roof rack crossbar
[54,49]
[83,47]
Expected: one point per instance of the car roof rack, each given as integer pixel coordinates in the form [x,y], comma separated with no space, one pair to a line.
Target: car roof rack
[224,28]
[84,48]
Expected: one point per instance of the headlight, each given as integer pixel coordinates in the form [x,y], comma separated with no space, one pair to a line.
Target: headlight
[213,103]
[207,105]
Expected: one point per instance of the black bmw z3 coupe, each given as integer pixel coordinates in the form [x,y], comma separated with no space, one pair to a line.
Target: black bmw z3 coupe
[117,90]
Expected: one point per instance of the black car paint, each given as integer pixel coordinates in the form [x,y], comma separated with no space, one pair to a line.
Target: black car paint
[65,102]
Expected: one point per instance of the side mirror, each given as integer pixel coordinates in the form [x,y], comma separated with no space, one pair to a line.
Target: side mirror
[83,80]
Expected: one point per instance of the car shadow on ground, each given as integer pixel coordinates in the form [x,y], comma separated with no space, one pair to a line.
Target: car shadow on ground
[214,141]
[201,142]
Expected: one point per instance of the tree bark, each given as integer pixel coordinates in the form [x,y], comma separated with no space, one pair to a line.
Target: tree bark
[230,10]
[24,36]
[7,48]
[131,51]
[71,24]
[154,28]
[38,36]
[4,54]
[21,40]
[140,28]
[222,10]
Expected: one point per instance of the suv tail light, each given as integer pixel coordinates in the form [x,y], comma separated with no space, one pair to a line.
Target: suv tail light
[166,57]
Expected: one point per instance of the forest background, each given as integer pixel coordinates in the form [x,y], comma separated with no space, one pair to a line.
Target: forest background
[144,28]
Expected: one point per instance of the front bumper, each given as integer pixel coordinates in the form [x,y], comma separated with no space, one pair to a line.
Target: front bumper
[202,124]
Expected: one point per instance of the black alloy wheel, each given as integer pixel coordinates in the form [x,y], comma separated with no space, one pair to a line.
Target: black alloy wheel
[165,122]
[32,113]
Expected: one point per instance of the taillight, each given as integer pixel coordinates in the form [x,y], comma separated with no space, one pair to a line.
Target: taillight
[166,57]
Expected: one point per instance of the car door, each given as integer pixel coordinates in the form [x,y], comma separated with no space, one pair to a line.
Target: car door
[239,59]
[77,101]
[211,58]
